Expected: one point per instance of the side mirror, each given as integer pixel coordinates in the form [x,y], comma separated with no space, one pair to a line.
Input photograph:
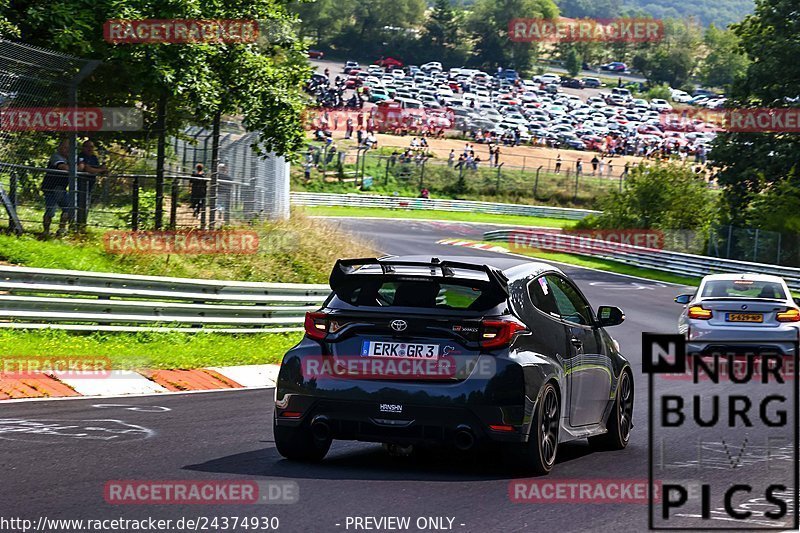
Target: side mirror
[608,315]
[684,299]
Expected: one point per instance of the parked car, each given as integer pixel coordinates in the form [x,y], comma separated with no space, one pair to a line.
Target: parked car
[592,83]
[315,54]
[481,376]
[389,62]
[351,65]
[572,83]
[614,66]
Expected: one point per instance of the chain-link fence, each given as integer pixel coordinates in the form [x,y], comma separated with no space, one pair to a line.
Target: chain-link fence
[409,172]
[754,245]
[42,182]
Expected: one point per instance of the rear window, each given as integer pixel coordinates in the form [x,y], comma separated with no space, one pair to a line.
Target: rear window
[428,294]
[742,288]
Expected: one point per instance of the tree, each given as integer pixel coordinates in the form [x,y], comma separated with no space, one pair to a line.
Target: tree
[661,196]
[724,62]
[573,62]
[751,163]
[488,26]
[673,59]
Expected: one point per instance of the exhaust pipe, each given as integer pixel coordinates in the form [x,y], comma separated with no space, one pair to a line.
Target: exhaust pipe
[464,438]
[321,429]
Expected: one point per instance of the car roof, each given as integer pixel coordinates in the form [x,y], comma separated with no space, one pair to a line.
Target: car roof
[513,267]
[748,276]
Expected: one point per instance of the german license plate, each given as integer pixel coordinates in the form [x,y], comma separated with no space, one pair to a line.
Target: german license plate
[744,317]
[406,350]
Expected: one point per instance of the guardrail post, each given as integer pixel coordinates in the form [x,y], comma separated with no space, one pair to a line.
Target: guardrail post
[135,204]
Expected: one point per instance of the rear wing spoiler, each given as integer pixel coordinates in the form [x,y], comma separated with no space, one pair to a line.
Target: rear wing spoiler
[347,269]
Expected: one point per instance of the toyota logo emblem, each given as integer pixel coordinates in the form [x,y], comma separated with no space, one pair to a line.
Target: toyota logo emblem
[398,325]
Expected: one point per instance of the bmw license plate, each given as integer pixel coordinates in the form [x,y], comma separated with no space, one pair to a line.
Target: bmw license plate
[400,349]
[744,317]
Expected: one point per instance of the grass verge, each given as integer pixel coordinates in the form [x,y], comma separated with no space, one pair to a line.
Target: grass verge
[298,250]
[439,215]
[604,264]
[168,350]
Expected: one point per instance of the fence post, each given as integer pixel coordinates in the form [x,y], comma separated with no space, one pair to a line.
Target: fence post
[536,183]
[728,246]
[778,256]
[12,189]
[173,205]
[755,248]
[386,177]
[497,184]
[135,204]
[577,180]
[422,173]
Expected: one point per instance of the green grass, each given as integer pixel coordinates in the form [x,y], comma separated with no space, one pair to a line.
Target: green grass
[606,265]
[439,215]
[299,250]
[152,350]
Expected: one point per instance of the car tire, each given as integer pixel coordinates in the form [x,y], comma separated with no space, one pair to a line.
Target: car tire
[539,454]
[299,444]
[620,421]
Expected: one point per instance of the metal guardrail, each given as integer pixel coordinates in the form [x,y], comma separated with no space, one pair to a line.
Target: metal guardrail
[438,204]
[663,260]
[91,301]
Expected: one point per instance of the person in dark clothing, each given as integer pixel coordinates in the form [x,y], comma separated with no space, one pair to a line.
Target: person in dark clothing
[198,190]
[88,163]
[558,164]
[54,187]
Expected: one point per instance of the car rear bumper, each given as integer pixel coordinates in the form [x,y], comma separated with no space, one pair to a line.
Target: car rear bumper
[463,427]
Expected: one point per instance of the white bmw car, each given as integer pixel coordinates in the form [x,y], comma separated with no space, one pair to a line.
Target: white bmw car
[752,313]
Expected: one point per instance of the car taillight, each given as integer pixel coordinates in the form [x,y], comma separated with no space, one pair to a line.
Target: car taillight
[790,315]
[316,325]
[699,312]
[498,333]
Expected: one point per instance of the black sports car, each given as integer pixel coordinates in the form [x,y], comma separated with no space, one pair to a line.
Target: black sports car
[417,350]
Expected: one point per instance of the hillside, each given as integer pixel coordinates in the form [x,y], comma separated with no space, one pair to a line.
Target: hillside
[719,12]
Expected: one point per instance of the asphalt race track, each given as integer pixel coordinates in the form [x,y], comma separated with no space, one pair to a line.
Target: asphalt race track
[61,472]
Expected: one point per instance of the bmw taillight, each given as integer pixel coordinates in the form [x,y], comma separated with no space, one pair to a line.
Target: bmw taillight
[699,312]
[498,333]
[316,325]
[790,315]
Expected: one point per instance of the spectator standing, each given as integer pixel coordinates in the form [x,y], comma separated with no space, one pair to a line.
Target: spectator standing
[497,155]
[594,162]
[54,187]
[558,164]
[601,166]
[199,189]
[579,167]
[424,193]
[88,163]
[451,158]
